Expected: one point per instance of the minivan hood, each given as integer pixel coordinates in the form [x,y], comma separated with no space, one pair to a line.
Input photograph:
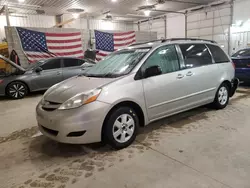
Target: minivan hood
[75,85]
[12,63]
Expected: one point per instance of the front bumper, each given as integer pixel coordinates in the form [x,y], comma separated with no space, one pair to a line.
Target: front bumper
[235,83]
[76,126]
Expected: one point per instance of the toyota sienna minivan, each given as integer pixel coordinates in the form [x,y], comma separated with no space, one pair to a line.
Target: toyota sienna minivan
[135,86]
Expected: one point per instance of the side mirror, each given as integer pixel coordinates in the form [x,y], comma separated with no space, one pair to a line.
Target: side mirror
[38,69]
[152,71]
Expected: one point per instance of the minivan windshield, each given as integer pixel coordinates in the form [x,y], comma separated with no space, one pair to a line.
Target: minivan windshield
[118,63]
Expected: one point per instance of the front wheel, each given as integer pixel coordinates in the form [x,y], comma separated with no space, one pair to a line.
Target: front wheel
[17,90]
[222,97]
[120,128]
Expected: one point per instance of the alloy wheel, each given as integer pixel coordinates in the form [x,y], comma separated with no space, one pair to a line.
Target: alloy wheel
[17,90]
[123,128]
[223,95]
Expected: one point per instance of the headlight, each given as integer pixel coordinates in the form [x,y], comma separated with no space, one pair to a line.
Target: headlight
[80,99]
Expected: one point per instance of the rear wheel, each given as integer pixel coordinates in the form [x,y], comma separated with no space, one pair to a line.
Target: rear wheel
[17,90]
[120,128]
[222,97]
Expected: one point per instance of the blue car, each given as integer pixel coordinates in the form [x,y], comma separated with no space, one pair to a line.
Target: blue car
[241,60]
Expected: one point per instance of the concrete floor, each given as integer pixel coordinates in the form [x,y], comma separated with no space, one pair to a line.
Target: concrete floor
[196,149]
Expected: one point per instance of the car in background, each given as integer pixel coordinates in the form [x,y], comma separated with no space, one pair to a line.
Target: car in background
[16,82]
[241,60]
[133,87]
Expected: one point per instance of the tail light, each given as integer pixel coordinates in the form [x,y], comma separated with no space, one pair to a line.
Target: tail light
[233,64]
[1,81]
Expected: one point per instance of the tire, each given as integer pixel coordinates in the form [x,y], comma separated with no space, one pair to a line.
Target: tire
[121,127]
[17,90]
[222,97]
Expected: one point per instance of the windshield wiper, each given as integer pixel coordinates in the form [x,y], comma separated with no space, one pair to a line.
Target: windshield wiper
[109,75]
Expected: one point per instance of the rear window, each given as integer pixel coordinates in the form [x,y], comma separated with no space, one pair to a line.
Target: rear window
[68,62]
[218,54]
[242,53]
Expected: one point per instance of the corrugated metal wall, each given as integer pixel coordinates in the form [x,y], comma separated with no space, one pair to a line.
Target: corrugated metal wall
[27,21]
[175,26]
[81,23]
[212,23]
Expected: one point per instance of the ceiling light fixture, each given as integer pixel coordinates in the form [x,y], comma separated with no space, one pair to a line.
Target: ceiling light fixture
[114,0]
[147,12]
[21,1]
[75,15]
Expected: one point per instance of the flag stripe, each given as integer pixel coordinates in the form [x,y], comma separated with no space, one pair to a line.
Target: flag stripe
[63,38]
[124,44]
[68,44]
[64,41]
[124,33]
[60,47]
[122,37]
[125,38]
[65,50]
[62,34]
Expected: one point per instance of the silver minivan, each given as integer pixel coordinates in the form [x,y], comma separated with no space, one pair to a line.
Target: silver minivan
[133,87]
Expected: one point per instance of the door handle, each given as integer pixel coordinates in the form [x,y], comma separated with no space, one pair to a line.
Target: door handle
[58,73]
[190,73]
[180,76]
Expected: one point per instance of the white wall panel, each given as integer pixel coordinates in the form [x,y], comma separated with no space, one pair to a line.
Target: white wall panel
[222,12]
[176,26]
[193,17]
[144,26]
[193,33]
[208,37]
[211,23]
[39,21]
[206,23]
[206,31]
[222,21]
[158,26]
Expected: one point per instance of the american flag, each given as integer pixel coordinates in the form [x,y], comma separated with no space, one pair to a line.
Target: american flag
[109,42]
[39,45]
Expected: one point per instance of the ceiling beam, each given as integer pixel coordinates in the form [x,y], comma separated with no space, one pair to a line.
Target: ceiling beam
[185,2]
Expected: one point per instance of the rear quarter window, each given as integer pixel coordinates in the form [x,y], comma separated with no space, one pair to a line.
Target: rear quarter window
[218,54]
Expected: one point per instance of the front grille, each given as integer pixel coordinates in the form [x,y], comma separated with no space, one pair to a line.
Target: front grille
[48,109]
[50,131]
[50,106]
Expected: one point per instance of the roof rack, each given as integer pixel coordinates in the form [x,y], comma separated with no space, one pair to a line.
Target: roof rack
[172,39]
[192,39]
[140,43]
